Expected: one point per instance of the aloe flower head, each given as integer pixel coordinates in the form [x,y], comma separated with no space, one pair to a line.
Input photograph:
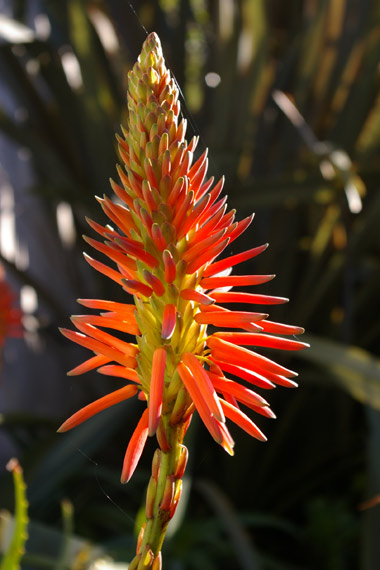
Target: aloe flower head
[168,227]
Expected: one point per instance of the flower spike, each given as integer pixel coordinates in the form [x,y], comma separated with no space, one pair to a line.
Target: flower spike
[169,227]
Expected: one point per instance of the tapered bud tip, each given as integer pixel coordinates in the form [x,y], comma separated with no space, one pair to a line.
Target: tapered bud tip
[153,38]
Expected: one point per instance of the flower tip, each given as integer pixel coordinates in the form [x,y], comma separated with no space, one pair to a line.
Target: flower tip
[153,37]
[124,479]
[153,427]
[62,428]
[63,331]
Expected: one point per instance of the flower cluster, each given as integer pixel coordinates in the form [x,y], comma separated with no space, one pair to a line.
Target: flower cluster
[168,227]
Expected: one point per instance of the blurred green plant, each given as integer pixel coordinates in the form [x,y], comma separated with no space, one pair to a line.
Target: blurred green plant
[12,556]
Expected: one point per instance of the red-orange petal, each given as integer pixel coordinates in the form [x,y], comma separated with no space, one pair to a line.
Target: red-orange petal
[178,188]
[88,365]
[214,205]
[169,266]
[201,405]
[121,193]
[135,448]
[195,250]
[134,286]
[240,227]
[120,372]
[227,442]
[242,420]
[158,238]
[136,250]
[197,180]
[198,164]
[126,348]
[183,209]
[204,188]
[205,385]
[107,305]
[238,297]
[193,217]
[101,230]
[118,324]
[228,352]
[228,318]
[259,339]
[168,321]
[154,283]
[219,266]
[207,257]
[104,269]
[252,377]
[117,256]
[280,328]
[156,388]
[234,281]
[241,393]
[100,348]
[98,406]
[197,296]
[210,225]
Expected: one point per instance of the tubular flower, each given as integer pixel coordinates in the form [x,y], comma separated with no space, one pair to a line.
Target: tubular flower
[168,227]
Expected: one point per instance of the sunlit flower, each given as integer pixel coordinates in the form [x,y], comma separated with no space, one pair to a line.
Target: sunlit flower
[168,227]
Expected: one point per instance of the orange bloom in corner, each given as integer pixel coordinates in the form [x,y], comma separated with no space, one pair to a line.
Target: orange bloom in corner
[168,227]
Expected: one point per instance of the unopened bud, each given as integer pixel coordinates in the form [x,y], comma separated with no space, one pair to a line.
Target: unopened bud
[156,463]
[140,538]
[168,494]
[150,497]
[176,498]
[157,563]
[161,437]
[180,406]
[146,558]
[181,465]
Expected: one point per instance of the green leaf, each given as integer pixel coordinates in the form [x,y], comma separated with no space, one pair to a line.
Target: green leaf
[355,369]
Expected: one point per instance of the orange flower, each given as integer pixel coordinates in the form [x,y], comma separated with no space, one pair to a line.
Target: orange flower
[168,227]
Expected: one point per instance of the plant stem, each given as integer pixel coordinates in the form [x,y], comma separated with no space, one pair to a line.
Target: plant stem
[160,506]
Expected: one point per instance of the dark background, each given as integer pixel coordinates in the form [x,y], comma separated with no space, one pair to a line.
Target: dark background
[296,502]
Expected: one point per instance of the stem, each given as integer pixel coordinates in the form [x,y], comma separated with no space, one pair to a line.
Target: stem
[162,501]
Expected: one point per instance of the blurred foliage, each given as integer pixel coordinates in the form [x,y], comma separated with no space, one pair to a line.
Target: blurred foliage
[286,96]
[15,551]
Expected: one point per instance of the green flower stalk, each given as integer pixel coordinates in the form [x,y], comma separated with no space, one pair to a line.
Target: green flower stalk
[169,226]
